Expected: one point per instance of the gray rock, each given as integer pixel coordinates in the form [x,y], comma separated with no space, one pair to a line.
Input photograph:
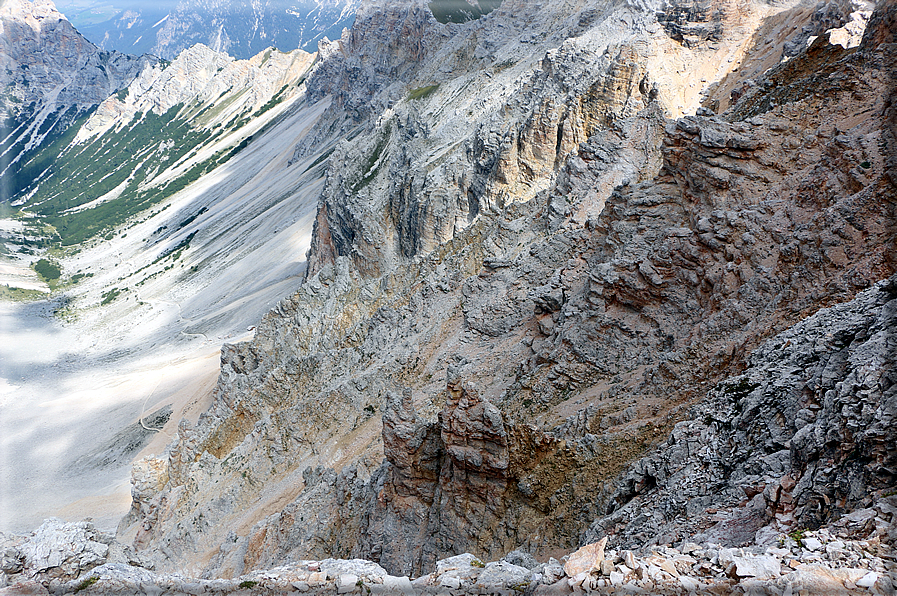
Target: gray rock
[521,559]
[356,567]
[553,571]
[72,547]
[762,566]
[346,582]
[396,585]
[811,543]
[502,574]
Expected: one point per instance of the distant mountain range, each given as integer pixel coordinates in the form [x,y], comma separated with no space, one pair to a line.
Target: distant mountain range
[240,28]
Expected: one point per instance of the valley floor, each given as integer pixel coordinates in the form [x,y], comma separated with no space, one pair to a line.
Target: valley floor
[74,414]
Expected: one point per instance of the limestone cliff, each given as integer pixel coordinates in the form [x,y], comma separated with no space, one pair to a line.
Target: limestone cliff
[50,75]
[556,288]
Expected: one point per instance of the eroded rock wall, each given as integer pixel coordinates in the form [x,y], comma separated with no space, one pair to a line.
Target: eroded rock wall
[661,256]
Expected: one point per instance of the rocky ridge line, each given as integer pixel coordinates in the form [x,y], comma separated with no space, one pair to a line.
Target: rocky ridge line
[47,67]
[639,310]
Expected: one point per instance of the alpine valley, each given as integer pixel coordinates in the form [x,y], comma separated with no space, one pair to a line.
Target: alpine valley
[491,297]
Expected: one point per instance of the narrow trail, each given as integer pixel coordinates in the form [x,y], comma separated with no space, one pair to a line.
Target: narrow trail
[182,323]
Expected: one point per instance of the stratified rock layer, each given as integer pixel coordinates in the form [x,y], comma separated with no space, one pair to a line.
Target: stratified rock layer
[642,272]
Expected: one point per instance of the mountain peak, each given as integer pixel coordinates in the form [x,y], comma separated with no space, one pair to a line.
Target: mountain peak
[35,14]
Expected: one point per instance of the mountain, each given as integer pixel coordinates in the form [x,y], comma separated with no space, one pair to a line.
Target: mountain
[239,28]
[148,244]
[618,276]
[51,76]
[523,275]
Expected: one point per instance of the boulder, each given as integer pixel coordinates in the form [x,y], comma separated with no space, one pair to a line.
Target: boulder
[586,559]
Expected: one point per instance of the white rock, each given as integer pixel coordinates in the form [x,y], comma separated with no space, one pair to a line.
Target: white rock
[394,584]
[860,515]
[447,581]
[502,573]
[811,543]
[553,571]
[617,578]
[689,584]
[346,582]
[577,579]
[727,555]
[301,586]
[868,580]
[835,544]
[358,567]
[761,566]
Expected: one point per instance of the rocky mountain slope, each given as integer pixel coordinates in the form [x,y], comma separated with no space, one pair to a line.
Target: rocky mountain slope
[530,306]
[50,76]
[579,272]
[175,219]
[240,29]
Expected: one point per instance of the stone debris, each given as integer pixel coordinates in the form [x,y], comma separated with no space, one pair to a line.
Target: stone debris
[587,559]
[74,558]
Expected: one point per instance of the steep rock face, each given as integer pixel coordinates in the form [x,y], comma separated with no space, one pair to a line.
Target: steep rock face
[45,60]
[522,132]
[802,437]
[50,76]
[598,323]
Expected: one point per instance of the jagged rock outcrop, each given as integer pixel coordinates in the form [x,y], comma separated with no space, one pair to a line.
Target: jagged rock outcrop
[658,258]
[243,29]
[798,440]
[200,76]
[448,485]
[45,61]
[50,76]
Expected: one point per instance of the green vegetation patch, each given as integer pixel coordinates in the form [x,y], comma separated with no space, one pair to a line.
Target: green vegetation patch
[48,270]
[79,276]
[12,294]
[111,295]
[423,92]
[87,583]
[275,99]
[64,176]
